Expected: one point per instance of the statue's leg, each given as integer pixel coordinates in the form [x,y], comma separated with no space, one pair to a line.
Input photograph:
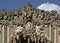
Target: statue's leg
[35,39]
[14,41]
[19,41]
[28,40]
[32,39]
[38,39]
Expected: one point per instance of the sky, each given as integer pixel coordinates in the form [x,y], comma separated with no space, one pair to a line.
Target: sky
[15,4]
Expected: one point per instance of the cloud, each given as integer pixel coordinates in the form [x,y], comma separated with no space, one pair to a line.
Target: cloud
[49,7]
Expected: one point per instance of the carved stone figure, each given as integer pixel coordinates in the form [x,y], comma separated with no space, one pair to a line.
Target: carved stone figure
[33,21]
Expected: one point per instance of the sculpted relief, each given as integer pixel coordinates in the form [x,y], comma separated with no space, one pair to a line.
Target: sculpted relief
[28,34]
[32,24]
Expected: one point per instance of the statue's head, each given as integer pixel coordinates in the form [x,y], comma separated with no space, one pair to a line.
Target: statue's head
[19,29]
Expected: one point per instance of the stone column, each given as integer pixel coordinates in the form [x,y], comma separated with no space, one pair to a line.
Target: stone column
[50,32]
[3,34]
[54,35]
[7,34]
[58,35]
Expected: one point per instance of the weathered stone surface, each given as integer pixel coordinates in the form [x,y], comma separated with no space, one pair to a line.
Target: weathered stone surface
[35,24]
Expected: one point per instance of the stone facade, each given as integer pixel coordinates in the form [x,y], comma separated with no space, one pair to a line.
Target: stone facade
[48,22]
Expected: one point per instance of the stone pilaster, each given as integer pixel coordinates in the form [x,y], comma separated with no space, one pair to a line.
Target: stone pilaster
[7,34]
[3,34]
[54,35]
[50,32]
